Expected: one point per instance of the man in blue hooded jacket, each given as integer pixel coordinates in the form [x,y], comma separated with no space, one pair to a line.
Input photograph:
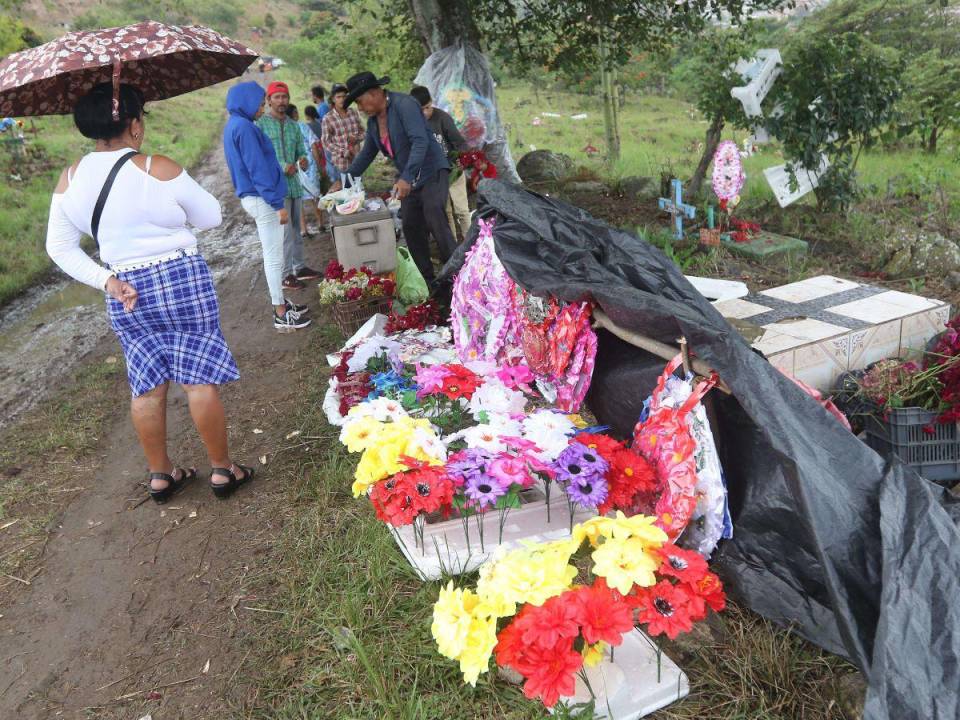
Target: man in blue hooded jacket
[262,188]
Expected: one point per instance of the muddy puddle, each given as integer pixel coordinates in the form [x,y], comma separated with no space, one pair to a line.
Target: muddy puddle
[47,332]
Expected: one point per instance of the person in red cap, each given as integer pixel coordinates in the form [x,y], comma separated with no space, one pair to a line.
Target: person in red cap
[287,141]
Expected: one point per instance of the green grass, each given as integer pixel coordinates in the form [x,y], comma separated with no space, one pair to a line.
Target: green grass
[665,135]
[348,636]
[184,128]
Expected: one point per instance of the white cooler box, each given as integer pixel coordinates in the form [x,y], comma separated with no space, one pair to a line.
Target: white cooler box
[365,238]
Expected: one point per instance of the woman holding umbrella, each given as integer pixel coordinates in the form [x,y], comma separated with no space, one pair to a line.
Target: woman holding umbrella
[160,296]
[161,300]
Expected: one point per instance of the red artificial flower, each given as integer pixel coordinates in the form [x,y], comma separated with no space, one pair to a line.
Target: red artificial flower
[684,565]
[350,274]
[460,383]
[710,589]
[399,499]
[664,608]
[511,649]
[553,674]
[334,271]
[603,444]
[353,293]
[629,478]
[417,317]
[366,271]
[602,614]
[553,621]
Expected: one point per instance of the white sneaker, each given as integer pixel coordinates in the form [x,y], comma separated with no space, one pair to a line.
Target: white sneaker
[290,321]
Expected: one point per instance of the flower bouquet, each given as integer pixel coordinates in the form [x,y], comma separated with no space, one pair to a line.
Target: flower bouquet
[567,633]
[354,294]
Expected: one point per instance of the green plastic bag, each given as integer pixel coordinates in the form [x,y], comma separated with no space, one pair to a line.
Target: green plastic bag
[411,287]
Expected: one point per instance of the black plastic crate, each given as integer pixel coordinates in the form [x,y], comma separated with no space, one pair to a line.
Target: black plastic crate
[935,456]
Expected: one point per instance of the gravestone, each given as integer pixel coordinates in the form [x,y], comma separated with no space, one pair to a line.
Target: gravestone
[766,246]
[676,207]
[544,166]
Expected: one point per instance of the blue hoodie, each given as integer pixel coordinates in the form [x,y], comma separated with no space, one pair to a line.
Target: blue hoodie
[250,156]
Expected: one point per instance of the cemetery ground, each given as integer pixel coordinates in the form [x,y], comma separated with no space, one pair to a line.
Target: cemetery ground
[293,591]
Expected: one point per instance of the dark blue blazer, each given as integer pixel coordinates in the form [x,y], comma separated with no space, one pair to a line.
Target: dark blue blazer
[416,153]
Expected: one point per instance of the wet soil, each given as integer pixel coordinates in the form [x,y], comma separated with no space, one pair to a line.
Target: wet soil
[139,608]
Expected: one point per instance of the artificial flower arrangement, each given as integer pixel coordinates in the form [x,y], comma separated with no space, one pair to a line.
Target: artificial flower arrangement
[416,317]
[931,383]
[540,616]
[340,285]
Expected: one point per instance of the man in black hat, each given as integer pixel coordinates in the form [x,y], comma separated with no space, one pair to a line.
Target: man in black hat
[396,127]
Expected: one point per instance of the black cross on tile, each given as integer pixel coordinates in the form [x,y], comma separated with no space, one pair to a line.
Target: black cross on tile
[817,309]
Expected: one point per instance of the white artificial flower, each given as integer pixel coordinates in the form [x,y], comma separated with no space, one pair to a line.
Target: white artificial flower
[427,442]
[493,397]
[371,348]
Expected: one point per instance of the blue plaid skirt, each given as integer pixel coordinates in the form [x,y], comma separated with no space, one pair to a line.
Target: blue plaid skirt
[173,332]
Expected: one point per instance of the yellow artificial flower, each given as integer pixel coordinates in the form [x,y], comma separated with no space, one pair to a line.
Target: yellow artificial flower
[452,615]
[480,641]
[578,421]
[624,563]
[361,433]
[532,574]
[593,654]
[620,527]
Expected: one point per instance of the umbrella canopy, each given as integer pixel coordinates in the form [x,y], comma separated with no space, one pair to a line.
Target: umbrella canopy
[161,60]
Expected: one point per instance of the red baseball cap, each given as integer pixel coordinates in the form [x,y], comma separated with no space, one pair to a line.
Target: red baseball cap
[277,86]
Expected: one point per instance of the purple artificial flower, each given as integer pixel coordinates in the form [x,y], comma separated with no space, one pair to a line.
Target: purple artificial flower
[577,462]
[483,489]
[468,463]
[588,492]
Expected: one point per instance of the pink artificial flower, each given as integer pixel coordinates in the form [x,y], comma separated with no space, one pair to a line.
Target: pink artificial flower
[429,379]
[510,470]
[515,376]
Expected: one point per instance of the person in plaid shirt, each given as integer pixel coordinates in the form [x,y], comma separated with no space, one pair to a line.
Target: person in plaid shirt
[342,133]
[287,141]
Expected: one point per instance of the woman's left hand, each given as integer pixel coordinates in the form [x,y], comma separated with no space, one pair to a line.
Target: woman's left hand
[122,292]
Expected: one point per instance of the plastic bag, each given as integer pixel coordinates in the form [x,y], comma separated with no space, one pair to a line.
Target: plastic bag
[460,83]
[711,518]
[411,287]
[665,441]
[482,315]
[308,185]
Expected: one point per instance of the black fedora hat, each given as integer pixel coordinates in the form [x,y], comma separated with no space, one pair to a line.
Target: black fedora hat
[360,83]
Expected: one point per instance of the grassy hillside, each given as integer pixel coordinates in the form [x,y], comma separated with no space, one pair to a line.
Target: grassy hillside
[184,128]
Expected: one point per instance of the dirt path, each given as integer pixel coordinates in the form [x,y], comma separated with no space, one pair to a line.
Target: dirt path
[134,597]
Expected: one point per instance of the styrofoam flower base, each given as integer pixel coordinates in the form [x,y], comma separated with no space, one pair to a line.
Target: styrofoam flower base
[631,686]
[448,549]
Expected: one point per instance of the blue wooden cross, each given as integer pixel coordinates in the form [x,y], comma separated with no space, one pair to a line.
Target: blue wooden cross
[677,208]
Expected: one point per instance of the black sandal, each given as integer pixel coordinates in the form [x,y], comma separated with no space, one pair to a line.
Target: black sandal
[225,490]
[173,485]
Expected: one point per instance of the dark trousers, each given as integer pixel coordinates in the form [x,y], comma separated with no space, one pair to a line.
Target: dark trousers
[424,213]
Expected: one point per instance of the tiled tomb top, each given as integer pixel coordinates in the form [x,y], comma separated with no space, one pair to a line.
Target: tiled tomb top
[815,309]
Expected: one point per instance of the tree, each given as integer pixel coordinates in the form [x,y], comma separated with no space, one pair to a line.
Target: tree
[932,100]
[270,22]
[575,34]
[709,75]
[835,94]
[925,31]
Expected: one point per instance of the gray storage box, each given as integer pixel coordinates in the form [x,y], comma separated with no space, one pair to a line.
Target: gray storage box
[365,238]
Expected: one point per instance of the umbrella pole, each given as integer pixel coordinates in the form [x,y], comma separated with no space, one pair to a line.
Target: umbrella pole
[655,347]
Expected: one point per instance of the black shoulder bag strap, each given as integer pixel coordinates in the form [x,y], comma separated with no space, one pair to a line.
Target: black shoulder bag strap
[102,200]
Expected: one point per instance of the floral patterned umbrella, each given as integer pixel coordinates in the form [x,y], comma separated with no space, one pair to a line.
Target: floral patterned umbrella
[161,60]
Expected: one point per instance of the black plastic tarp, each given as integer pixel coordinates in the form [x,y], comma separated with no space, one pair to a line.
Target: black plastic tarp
[859,556]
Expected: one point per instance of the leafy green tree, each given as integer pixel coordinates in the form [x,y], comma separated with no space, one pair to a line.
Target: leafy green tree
[836,93]
[270,22]
[14,36]
[927,33]
[932,101]
[708,74]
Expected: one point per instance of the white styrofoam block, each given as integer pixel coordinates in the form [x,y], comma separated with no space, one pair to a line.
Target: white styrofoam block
[760,72]
[446,552]
[717,290]
[376,325]
[779,180]
[631,686]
